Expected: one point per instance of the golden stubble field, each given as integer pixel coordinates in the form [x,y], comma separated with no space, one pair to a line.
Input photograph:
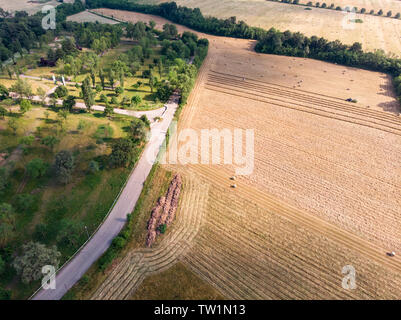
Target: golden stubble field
[374,33]
[87,16]
[385,5]
[324,193]
[24,5]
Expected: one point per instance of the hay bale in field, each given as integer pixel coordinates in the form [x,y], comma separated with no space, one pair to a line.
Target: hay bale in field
[163,213]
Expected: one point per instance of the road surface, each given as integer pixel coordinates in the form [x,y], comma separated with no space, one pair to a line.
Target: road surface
[101,240]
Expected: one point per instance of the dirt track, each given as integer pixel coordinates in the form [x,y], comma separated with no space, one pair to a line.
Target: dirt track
[325,191]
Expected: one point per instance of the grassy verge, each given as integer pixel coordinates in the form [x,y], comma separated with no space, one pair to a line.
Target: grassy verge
[134,234]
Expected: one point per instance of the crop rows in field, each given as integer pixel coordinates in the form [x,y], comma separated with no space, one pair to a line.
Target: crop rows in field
[287,98]
[251,253]
[133,269]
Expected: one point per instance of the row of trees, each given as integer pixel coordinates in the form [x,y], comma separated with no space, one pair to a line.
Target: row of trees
[324,5]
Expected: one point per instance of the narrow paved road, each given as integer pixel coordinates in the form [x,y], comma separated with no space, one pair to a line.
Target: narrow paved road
[125,204]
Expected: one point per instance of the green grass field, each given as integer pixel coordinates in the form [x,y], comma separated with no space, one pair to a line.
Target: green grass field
[86,200]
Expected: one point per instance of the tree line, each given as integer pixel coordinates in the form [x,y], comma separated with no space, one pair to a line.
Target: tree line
[324,5]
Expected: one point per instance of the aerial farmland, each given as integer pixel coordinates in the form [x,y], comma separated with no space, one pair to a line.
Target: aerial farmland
[202,150]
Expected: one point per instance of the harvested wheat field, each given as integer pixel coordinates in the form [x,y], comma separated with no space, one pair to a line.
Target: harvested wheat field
[87,16]
[324,192]
[374,33]
[29,6]
[385,5]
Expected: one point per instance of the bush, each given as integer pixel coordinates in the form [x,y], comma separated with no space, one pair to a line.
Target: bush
[25,106]
[162,228]
[119,91]
[93,166]
[114,100]
[41,232]
[24,202]
[103,98]
[119,242]
[64,165]
[61,91]
[84,280]
[5,294]
[122,153]
[36,168]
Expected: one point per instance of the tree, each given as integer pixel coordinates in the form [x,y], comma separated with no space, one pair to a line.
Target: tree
[36,168]
[24,202]
[397,16]
[122,153]
[34,256]
[125,100]
[103,98]
[152,24]
[3,112]
[7,223]
[93,77]
[5,294]
[102,78]
[25,106]
[119,91]
[13,125]
[389,13]
[42,94]
[152,82]
[136,100]
[380,12]
[69,103]
[160,67]
[138,129]
[363,10]
[64,165]
[169,31]
[93,166]
[108,110]
[111,76]
[22,88]
[61,91]
[70,232]
[88,94]
[114,100]
[10,72]
[50,142]
[27,140]
[3,92]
